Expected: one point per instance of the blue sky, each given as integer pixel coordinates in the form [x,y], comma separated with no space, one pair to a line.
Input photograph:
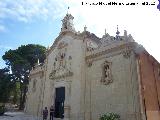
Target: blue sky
[19,33]
[24,23]
[39,21]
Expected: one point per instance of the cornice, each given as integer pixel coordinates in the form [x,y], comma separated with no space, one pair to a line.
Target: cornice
[52,75]
[39,73]
[111,51]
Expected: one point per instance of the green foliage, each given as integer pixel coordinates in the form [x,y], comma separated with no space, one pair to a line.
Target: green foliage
[6,85]
[2,109]
[110,116]
[21,61]
[25,54]
[16,93]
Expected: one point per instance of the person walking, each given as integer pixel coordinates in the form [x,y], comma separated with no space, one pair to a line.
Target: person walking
[45,113]
[51,112]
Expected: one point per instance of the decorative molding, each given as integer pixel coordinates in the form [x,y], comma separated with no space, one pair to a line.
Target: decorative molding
[89,63]
[104,56]
[62,45]
[106,73]
[38,71]
[91,46]
[126,53]
[98,53]
[61,73]
[37,74]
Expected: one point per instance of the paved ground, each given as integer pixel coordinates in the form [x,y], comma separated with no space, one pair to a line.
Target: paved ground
[17,116]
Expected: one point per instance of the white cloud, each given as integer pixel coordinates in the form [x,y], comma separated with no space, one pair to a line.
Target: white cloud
[141,21]
[27,10]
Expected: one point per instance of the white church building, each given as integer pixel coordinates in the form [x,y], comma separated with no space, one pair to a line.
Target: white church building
[85,76]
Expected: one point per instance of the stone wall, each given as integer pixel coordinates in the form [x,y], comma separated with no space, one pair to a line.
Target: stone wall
[150,84]
[120,96]
[35,92]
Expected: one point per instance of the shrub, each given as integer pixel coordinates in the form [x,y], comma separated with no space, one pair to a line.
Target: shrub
[2,109]
[110,116]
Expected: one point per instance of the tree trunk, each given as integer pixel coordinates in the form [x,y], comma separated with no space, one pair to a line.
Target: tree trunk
[24,96]
[21,97]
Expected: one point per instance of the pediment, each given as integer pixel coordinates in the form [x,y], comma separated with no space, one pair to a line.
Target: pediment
[57,42]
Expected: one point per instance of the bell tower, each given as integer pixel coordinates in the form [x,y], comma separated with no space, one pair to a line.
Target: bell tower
[67,23]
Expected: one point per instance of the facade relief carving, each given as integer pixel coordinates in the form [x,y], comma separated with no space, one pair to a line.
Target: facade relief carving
[62,45]
[91,45]
[126,53]
[89,62]
[62,63]
[106,73]
[60,74]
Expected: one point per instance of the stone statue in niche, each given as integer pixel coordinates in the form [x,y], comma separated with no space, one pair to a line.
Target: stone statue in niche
[69,60]
[54,65]
[106,73]
[61,59]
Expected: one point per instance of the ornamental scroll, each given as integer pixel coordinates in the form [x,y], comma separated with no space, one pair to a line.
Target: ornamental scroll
[106,73]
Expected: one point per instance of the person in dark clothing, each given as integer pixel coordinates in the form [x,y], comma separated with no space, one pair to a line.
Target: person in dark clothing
[51,112]
[45,113]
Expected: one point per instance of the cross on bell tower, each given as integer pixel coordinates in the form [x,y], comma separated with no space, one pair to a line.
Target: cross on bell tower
[67,23]
[117,34]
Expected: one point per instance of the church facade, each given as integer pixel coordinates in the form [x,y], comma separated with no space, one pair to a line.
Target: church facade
[85,76]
